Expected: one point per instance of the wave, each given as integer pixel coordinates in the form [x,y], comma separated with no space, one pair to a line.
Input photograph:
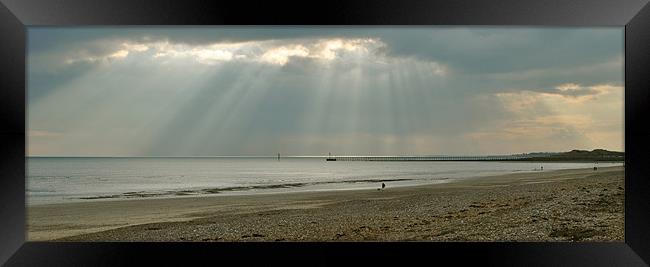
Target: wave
[216,190]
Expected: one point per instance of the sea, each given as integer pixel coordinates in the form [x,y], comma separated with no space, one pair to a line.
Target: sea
[78,179]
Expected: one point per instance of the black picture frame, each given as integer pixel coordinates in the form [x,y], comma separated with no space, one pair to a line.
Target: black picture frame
[16,15]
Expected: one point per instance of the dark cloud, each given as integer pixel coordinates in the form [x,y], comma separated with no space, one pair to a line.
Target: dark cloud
[478,50]
[42,82]
[499,50]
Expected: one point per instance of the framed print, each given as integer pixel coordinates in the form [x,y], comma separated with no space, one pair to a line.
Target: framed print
[266,133]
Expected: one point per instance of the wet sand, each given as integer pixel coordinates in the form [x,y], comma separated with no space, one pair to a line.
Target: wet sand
[564,205]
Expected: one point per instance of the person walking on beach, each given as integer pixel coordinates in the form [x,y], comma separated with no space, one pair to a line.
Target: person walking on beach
[383,185]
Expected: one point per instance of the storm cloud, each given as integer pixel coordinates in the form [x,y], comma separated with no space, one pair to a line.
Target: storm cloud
[218,91]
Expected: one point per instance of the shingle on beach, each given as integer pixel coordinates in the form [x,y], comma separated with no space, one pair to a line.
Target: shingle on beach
[565,205]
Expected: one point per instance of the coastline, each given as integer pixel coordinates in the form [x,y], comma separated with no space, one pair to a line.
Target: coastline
[577,205]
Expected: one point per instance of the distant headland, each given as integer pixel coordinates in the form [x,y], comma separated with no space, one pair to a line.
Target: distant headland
[579,155]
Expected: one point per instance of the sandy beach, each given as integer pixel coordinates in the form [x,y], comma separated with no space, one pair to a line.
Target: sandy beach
[564,205]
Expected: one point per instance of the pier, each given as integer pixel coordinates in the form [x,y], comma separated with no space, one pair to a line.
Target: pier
[428,158]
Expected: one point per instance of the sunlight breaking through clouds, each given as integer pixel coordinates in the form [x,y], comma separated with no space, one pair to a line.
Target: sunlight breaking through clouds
[280,55]
[581,93]
[271,52]
[309,91]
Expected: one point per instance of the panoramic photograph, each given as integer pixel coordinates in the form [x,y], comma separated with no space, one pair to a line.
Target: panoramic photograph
[292,133]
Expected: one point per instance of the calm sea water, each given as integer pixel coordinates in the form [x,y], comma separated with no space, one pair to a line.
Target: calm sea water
[56,180]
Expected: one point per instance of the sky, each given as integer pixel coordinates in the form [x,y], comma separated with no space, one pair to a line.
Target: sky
[259,91]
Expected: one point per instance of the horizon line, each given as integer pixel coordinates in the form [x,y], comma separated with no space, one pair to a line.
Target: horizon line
[301,156]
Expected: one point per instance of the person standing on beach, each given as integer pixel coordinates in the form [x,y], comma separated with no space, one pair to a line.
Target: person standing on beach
[383,185]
